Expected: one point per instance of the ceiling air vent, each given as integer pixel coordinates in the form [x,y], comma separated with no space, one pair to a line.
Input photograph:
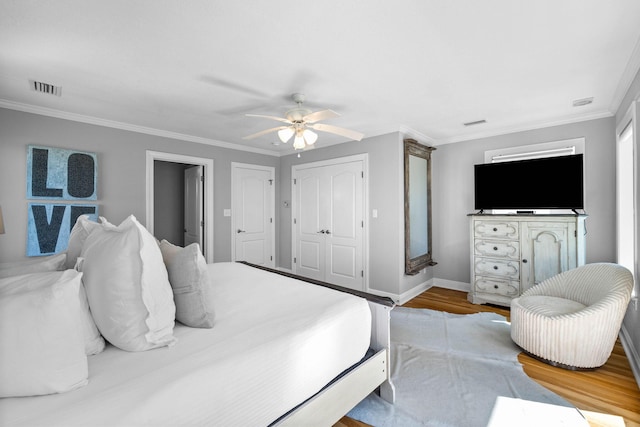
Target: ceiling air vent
[47,88]
[477,122]
[583,101]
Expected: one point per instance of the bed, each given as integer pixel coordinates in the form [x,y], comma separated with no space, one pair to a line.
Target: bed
[282,352]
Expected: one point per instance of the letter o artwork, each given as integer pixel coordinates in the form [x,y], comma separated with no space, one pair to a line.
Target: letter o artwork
[81,172]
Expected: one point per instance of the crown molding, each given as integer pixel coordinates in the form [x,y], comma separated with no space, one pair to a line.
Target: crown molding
[402,129]
[629,74]
[523,128]
[412,133]
[50,112]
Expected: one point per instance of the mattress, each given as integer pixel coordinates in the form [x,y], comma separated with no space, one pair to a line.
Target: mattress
[276,341]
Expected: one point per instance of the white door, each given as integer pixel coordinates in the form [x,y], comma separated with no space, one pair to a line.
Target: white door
[253,225]
[193,223]
[329,223]
[308,223]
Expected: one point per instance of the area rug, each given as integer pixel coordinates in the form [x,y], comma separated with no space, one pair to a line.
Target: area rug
[448,370]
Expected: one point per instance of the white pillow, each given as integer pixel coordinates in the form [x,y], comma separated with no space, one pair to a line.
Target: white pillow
[79,233]
[41,264]
[127,286]
[41,347]
[190,282]
[93,342]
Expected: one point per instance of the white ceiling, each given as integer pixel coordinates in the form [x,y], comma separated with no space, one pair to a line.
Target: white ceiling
[193,69]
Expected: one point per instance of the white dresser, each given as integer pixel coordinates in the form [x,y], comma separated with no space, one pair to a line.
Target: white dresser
[511,253]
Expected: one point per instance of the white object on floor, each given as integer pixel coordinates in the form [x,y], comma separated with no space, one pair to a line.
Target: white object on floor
[509,412]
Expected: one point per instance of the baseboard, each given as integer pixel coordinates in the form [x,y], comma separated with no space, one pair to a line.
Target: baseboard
[415,291]
[452,284]
[401,299]
[631,352]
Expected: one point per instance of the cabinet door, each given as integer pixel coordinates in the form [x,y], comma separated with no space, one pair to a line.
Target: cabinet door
[545,251]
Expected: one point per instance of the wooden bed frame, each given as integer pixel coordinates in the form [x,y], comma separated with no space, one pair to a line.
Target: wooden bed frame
[337,398]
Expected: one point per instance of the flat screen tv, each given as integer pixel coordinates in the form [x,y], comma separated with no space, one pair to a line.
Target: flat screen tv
[547,183]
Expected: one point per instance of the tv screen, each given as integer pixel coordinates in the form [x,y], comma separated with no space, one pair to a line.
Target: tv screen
[548,183]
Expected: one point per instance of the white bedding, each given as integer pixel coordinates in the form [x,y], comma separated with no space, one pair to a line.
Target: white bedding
[275,342]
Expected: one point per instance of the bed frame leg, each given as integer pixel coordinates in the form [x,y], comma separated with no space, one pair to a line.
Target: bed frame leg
[381,338]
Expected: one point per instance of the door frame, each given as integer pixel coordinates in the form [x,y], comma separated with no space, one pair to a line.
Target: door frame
[272,195]
[207,203]
[364,158]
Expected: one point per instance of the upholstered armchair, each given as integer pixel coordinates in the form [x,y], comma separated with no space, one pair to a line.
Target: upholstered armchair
[572,320]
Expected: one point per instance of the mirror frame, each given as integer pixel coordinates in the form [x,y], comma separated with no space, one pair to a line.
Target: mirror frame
[413,265]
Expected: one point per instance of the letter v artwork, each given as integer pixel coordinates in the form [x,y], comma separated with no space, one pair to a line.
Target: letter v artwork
[61,180]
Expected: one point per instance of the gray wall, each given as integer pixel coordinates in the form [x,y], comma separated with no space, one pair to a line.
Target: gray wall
[121,172]
[453,191]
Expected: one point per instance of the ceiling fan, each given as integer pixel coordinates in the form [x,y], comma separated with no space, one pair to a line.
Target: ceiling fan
[300,121]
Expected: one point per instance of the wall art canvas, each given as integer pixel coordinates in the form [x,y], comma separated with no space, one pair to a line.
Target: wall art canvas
[49,226]
[61,179]
[58,173]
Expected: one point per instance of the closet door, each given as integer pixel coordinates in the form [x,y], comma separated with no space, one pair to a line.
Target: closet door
[328,223]
[309,236]
[344,225]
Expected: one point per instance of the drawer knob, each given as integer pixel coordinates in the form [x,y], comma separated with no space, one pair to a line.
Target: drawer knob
[495,229]
[495,248]
[495,267]
[495,286]
[524,261]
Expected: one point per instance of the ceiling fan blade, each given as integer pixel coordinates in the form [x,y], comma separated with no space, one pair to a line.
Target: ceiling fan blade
[264,132]
[230,84]
[351,134]
[320,115]
[280,119]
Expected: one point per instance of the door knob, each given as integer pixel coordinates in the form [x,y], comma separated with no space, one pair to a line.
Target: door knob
[327,231]
[240,231]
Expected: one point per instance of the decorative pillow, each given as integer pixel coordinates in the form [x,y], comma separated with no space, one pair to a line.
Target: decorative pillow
[93,342]
[41,264]
[128,287]
[190,282]
[79,233]
[41,346]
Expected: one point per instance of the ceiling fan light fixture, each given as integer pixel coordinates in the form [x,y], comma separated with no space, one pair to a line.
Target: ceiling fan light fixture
[310,136]
[298,143]
[300,121]
[285,134]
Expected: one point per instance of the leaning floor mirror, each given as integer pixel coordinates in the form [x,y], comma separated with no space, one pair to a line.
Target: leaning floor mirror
[417,206]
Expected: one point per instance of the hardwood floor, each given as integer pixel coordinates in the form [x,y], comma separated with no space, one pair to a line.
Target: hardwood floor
[611,389]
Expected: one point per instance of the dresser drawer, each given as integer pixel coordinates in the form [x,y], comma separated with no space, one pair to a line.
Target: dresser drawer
[496,229]
[497,248]
[497,267]
[488,285]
